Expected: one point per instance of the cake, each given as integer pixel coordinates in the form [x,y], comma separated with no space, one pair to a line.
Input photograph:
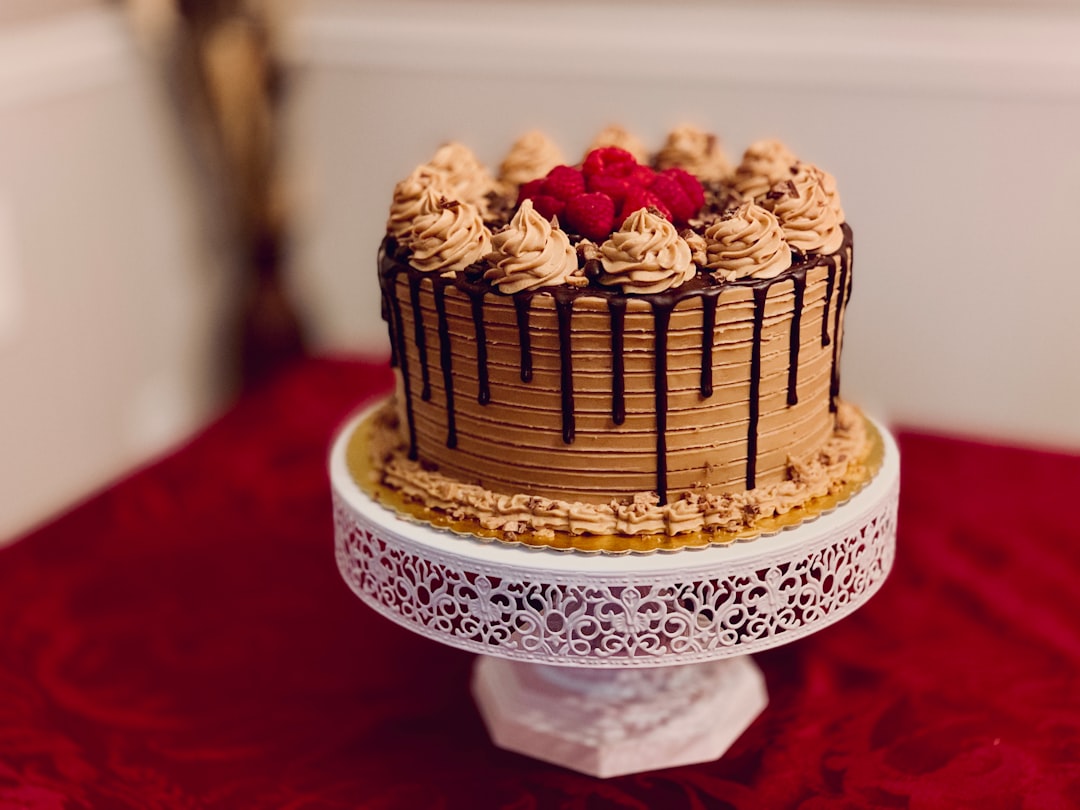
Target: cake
[629,352]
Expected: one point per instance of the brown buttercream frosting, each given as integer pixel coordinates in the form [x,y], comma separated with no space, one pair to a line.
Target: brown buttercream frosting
[449,238]
[810,219]
[828,185]
[834,466]
[466,177]
[764,164]
[417,194]
[646,255]
[696,151]
[747,242]
[532,155]
[648,382]
[529,253]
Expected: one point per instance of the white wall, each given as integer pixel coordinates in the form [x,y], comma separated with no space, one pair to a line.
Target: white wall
[110,300]
[954,134]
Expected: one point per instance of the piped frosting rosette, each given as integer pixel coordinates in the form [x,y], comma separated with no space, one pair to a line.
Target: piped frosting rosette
[449,238]
[530,253]
[811,219]
[695,150]
[466,177]
[764,164]
[410,200]
[646,255]
[747,242]
[532,155]
[828,185]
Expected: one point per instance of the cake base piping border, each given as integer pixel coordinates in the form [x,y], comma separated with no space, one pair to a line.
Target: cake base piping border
[367,473]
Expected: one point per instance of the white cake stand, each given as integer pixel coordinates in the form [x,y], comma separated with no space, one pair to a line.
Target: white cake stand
[616,664]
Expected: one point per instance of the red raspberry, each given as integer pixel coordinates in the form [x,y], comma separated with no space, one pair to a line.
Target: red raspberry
[562,183]
[690,184]
[592,215]
[642,198]
[642,175]
[681,192]
[548,206]
[610,160]
[677,201]
[614,187]
[530,190]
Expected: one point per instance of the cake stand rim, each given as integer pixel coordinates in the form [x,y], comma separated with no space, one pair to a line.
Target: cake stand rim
[523,560]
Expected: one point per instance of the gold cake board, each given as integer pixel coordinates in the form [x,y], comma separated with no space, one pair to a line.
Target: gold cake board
[860,472]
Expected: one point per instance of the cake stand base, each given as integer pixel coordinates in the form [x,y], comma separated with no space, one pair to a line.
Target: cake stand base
[613,664]
[608,722]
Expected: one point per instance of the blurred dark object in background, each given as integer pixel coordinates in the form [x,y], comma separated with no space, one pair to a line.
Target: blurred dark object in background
[227,52]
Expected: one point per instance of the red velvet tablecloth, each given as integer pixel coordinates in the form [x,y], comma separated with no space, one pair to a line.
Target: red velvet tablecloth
[183,640]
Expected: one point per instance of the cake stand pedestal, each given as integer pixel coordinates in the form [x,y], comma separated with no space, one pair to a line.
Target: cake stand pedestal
[616,664]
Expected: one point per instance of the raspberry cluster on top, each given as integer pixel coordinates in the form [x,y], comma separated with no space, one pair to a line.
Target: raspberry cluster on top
[609,186]
[749,221]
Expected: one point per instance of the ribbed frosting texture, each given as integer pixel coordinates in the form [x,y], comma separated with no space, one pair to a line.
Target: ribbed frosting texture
[639,370]
[528,254]
[646,255]
[504,389]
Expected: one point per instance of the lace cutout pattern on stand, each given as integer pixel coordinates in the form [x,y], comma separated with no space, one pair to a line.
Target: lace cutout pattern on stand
[652,619]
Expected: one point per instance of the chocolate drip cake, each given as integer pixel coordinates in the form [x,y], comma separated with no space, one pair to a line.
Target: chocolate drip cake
[629,353]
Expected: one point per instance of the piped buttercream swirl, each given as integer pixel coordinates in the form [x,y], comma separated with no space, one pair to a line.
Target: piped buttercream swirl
[448,239]
[747,242]
[764,164]
[811,221]
[529,253]
[828,185]
[410,200]
[646,255]
[695,150]
[466,177]
[532,155]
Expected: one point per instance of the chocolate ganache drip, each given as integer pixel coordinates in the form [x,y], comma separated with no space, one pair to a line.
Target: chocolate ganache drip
[446,360]
[798,280]
[394,263]
[841,303]
[476,298]
[761,293]
[564,305]
[662,319]
[522,302]
[401,358]
[421,338]
[708,328]
[617,308]
[830,283]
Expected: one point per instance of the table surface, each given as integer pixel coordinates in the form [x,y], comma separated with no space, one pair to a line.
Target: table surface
[184,640]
